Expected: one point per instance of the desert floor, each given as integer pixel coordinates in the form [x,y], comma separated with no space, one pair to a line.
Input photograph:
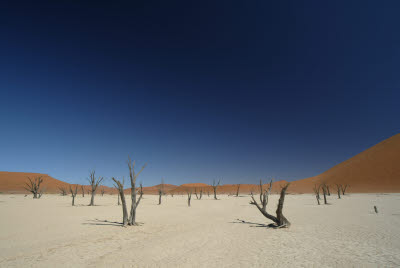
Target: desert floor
[49,232]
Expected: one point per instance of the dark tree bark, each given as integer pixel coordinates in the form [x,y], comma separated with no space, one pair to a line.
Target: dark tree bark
[201,193]
[280,220]
[135,203]
[160,191]
[120,187]
[344,189]
[338,189]
[215,186]
[237,190]
[324,191]
[264,195]
[94,183]
[33,186]
[102,191]
[83,191]
[316,191]
[327,189]
[189,194]
[73,193]
[195,193]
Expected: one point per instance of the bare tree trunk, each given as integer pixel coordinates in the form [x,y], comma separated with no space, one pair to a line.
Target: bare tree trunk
[324,192]
[195,193]
[94,183]
[282,221]
[344,189]
[201,193]
[237,190]
[215,186]
[160,191]
[73,193]
[83,191]
[327,188]
[189,194]
[120,188]
[279,220]
[316,191]
[134,203]
[338,188]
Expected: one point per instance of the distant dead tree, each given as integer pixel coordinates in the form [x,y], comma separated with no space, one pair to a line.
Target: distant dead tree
[215,186]
[195,193]
[327,189]
[135,203]
[324,191]
[338,189]
[83,191]
[279,219]
[160,191]
[63,190]
[73,193]
[201,193]
[102,190]
[344,187]
[33,186]
[237,189]
[172,193]
[189,195]
[316,191]
[94,183]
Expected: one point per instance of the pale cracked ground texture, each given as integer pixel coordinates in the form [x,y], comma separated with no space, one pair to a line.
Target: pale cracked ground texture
[347,233]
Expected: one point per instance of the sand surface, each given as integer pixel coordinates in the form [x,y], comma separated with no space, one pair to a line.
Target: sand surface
[51,233]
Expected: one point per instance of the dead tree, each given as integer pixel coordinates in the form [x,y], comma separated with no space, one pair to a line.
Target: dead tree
[327,189]
[344,188]
[279,219]
[160,191]
[33,186]
[195,193]
[118,198]
[201,193]
[189,195]
[135,203]
[264,195]
[41,191]
[215,186]
[237,190]
[102,190]
[73,193]
[338,189]
[316,191]
[120,187]
[94,183]
[324,191]
[83,191]
[62,190]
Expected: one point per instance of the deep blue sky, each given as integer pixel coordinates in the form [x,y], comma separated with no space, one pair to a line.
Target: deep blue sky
[200,90]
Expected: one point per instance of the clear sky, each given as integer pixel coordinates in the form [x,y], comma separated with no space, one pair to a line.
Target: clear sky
[238,90]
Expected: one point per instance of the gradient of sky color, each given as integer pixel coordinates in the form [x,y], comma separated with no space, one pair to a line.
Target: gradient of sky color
[238,90]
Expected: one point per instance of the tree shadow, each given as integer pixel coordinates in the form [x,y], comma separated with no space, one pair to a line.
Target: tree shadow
[103,223]
[109,223]
[255,224]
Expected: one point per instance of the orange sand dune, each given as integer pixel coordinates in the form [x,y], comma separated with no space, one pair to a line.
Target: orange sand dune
[376,169]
